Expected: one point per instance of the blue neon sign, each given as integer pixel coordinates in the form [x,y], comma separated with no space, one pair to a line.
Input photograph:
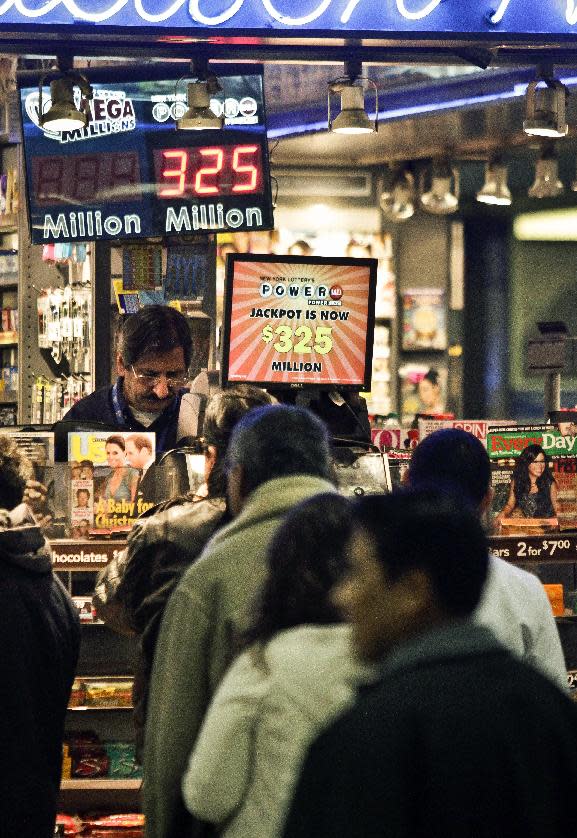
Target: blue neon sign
[482,19]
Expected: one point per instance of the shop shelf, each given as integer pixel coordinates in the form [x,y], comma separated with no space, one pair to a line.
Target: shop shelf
[90,708]
[100,784]
[8,397]
[84,795]
[8,338]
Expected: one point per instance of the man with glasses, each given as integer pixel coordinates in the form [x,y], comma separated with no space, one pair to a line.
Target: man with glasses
[153,356]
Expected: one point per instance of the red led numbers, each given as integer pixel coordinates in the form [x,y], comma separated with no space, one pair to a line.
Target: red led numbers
[249,184]
[208,170]
[200,186]
[179,173]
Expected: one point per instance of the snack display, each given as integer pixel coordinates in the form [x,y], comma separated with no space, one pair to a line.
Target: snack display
[108,693]
[101,693]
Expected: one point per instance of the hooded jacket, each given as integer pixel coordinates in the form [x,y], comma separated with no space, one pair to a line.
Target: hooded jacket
[39,643]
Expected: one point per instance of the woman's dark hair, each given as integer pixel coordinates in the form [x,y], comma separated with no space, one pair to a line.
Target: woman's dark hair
[432,531]
[115,439]
[223,411]
[305,560]
[432,375]
[521,479]
[152,330]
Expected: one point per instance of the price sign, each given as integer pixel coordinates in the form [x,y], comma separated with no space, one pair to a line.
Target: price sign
[535,548]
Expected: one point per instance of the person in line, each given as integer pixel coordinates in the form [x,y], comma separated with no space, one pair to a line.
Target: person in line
[278,456]
[533,491]
[295,674]
[131,592]
[513,604]
[458,737]
[39,644]
[122,481]
[153,357]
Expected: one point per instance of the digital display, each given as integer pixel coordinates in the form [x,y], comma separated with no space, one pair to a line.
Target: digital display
[87,178]
[299,321]
[213,169]
[130,173]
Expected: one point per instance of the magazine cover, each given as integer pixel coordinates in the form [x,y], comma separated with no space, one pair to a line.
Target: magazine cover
[534,478]
[397,462]
[38,448]
[477,427]
[423,389]
[393,436]
[106,469]
[424,319]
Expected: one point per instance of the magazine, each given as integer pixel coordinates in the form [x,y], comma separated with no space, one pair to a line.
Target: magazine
[105,470]
[534,479]
[397,462]
[477,427]
[38,448]
[424,319]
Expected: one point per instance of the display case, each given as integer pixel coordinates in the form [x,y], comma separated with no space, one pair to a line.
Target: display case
[100,702]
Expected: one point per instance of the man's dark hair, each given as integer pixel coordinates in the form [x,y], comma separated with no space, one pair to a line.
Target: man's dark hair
[433,532]
[277,441]
[153,330]
[452,458]
[14,470]
[223,411]
[306,559]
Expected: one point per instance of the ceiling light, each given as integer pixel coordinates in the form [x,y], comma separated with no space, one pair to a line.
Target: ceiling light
[63,113]
[545,108]
[442,198]
[547,183]
[353,118]
[495,190]
[199,116]
[398,197]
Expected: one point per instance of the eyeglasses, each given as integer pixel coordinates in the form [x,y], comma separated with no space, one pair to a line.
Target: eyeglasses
[151,379]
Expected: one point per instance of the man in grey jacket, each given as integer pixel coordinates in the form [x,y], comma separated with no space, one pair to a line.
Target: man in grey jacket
[277,457]
[514,604]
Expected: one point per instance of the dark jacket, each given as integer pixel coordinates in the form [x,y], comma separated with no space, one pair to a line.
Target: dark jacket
[458,739]
[99,407]
[132,591]
[39,643]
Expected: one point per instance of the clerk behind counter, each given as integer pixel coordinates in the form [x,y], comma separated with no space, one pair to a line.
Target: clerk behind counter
[153,356]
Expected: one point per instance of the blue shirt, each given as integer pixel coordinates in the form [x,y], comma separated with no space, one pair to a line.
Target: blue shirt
[109,406]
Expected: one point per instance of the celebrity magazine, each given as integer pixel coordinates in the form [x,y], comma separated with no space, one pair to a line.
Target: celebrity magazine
[106,469]
[534,478]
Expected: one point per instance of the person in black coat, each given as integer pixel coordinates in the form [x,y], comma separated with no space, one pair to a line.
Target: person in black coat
[457,738]
[39,643]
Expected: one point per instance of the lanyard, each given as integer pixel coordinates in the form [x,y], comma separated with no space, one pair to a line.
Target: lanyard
[118,411]
[162,433]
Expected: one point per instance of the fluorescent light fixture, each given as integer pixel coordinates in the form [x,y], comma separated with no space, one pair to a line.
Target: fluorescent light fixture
[443,196]
[495,190]
[551,225]
[546,183]
[545,113]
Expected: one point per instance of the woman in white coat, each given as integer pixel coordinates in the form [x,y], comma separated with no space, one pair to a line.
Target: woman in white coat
[294,676]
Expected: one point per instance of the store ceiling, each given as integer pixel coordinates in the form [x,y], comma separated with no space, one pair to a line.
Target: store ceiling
[465,133]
